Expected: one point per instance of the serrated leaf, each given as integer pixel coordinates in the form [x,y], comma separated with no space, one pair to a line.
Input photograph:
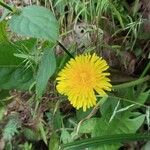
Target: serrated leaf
[11,128]
[46,69]
[35,21]
[123,122]
[101,140]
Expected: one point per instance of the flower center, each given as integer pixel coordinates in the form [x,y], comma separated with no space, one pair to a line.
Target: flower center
[83,77]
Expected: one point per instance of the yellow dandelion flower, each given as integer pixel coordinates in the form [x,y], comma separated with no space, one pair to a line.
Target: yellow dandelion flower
[81,78]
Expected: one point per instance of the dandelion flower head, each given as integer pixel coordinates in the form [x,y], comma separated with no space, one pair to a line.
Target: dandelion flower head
[81,78]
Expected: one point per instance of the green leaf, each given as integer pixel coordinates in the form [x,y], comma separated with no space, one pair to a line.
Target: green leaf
[88,126]
[46,69]
[43,132]
[81,115]
[11,127]
[54,142]
[15,78]
[65,136]
[142,97]
[12,74]
[108,139]
[7,51]
[123,123]
[35,21]
[30,134]
[7,57]
[57,120]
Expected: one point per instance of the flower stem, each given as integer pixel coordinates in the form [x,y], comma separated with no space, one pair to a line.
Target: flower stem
[6,6]
[64,49]
[132,83]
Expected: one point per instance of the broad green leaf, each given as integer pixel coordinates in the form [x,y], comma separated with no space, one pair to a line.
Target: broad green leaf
[12,76]
[7,51]
[35,21]
[101,140]
[46,69]
[7,57]
[15,78]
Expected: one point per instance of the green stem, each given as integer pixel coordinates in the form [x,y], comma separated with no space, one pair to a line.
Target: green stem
[64,49]
[132,83]
[6,6]
[145,70]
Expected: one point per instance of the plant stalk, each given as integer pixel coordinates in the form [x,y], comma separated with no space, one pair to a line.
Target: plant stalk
[6,6]
[64,49]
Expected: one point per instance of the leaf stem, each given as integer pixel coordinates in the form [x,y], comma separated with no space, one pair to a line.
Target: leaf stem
[6,6]
[132,83]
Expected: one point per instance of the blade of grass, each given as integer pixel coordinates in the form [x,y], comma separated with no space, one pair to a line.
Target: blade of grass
[145,70]
[111,139]
[117,13]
